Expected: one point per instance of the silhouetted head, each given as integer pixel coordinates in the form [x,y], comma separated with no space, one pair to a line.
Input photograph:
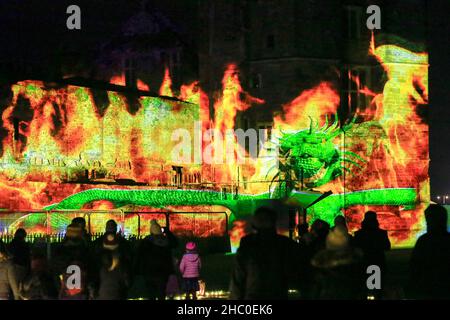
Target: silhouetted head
[340,221]
[320,228]
[74,232]
[80,221]
[111,226]
[264,219]
[370,220]
[20,234]
[436,217]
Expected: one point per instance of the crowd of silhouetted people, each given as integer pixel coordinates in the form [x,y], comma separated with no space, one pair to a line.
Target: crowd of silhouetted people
[330,263]
[102,269]
[323,262]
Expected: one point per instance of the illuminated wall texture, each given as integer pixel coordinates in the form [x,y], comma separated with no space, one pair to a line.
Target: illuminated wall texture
[53,139]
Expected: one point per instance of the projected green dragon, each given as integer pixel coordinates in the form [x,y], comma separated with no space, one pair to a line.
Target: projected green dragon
[312,156]
[310,151]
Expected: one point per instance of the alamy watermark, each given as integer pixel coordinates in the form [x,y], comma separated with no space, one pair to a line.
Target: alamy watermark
[216,147]
[373,282]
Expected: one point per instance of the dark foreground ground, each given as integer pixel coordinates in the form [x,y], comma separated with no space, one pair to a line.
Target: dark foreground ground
[217,268]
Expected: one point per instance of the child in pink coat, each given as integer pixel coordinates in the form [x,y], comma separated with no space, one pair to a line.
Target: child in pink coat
[190,270]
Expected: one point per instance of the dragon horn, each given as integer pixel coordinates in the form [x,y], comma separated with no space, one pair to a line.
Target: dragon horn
[333,127]
[324,127]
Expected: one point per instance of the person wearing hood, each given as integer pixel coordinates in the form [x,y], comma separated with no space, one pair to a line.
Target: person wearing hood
[190,266]
[338,269]
[155,261]
[266,264]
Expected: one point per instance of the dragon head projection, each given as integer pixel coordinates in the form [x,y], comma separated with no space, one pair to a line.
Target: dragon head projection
[313,156]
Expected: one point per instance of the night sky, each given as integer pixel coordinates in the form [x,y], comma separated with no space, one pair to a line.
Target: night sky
[439,88]
[41,19]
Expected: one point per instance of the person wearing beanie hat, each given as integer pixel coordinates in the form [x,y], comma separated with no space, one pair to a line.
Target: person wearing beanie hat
[190,266]
[154,260]
[339,272]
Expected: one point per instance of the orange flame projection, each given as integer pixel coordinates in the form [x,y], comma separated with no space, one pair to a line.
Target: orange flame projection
[120,81]
[316,103]
[230,102]
[194,94]
[166,86]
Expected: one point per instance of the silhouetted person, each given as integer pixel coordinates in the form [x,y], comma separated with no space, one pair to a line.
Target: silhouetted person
[39,284]
[113,275]
[124,246]
[155,261]
[373,242]
[8,279]
[73,251]
[430,260]
[265,262]
[20,252]
[338,269]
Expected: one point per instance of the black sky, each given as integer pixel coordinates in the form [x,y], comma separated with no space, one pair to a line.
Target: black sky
[439,89]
